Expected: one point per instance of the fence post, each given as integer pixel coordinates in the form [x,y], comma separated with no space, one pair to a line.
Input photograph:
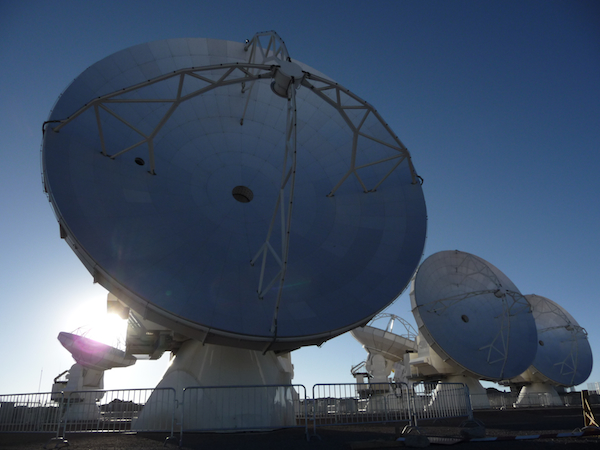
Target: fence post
[468,402]
[314,410]
[59,438]
[413,407]
[181,417]
[171,436]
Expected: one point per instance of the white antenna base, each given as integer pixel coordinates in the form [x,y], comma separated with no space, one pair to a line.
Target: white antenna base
[214,365]
[80,405]
[538,394]
[478,394]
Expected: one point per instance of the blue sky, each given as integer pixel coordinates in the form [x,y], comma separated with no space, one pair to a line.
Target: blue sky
[498,102]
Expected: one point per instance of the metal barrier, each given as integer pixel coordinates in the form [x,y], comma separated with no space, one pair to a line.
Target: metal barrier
[500,400]
[239,408]
[508,400]
[440,400]
[29,413]
[118,411]
[352,403]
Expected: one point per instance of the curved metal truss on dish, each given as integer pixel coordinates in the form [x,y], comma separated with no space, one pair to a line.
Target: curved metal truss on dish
[408,333]
[212,77]
[273,49]
[355,111]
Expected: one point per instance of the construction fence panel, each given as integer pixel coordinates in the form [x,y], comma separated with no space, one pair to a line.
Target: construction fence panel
[243,408]
[506,400]
[440,401]
[354,403]
[119,410]
[496,400]
[30,413]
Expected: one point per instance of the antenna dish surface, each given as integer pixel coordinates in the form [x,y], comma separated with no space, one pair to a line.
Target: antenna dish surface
[167,172]
[564,355]
[468,311]
[93,354]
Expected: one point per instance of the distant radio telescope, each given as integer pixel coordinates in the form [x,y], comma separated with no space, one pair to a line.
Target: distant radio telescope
[473,323]
[92,359]
[563,357]
[387,338]
[386,344]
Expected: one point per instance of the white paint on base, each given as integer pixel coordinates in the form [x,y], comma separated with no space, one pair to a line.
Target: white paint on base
[538,394]
[79,404]
[209,407]
[479,398]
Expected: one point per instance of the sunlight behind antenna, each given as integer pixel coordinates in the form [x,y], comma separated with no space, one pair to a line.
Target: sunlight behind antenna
[95,349]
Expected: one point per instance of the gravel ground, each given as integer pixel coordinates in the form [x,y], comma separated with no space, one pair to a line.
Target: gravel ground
[497,423]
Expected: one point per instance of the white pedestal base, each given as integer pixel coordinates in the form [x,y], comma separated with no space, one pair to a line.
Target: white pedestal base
[85,410]
[479,398]
[446,396]
[381,403]
[80,406]
[201,370]
[538,394]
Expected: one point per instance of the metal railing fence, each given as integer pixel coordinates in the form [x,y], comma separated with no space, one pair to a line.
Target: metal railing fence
[353,403]
[118,410]
[242,408]
[29,413]
[237,408]
[507,400]
[493,401]
[230,408]
[440,400]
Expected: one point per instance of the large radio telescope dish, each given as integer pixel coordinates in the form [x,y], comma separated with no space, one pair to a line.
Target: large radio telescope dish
[173,167]
[564,355]
[471,314]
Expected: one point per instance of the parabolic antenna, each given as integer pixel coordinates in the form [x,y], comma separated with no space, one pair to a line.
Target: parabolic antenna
[93,354]
[387,338]
[92,358]
[564,355]
[473,316]
[392,340]
[234,196]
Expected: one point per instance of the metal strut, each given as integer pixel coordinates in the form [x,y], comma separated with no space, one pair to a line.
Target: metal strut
[213,77]
[288,178]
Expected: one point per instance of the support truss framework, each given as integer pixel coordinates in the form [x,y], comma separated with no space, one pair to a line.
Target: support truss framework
[272,50]
[343,101]
[288,179]
[229,74]
[408,333]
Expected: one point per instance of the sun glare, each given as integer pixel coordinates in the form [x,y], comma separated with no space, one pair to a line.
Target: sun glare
[109,329]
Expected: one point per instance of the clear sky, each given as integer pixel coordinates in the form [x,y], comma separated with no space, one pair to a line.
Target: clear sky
[498,102]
